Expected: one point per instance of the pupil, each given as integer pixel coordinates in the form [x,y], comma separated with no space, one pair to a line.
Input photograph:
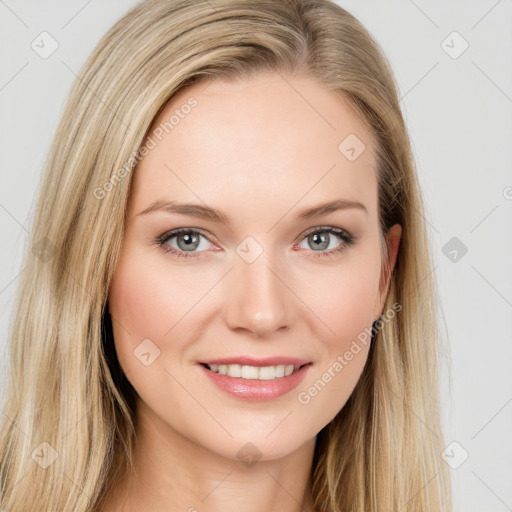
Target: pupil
[188,238]
[322,239]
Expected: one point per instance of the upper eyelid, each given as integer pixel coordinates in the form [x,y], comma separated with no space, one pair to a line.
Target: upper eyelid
[325,228]
[175,232]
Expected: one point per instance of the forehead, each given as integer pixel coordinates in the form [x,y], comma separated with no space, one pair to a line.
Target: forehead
[270,136]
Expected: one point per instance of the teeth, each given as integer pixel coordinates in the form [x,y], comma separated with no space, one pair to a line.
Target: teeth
[254,372]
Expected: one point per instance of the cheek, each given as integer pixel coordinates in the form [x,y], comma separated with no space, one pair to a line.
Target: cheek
[149,299]
[135,301]
[347,311]
[353,304]
[141,308]
[343,298]
[346,306]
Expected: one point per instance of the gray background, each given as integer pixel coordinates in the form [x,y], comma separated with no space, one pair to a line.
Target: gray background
[458,109]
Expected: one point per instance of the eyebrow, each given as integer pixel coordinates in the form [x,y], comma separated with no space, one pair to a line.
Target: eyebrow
[209,213]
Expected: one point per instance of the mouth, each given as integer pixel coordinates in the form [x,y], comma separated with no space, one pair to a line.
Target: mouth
[249,372]
[255,382]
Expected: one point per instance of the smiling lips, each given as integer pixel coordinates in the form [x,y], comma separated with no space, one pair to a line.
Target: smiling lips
[256,379]
[244,367]
[258,362]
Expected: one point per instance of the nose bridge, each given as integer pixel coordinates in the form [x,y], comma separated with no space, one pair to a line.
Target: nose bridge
[257,299]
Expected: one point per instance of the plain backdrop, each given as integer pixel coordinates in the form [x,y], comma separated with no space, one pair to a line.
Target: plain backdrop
[452,60]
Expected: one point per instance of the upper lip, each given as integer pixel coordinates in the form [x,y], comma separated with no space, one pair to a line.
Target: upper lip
[253,361]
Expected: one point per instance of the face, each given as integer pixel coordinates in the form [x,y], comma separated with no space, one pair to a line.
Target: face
[267,274]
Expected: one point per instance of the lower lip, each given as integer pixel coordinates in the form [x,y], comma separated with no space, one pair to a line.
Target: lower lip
[254,389]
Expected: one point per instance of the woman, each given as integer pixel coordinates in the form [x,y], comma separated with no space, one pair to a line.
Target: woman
[226,305]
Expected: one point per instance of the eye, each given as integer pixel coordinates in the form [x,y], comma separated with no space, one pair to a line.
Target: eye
[320,238]
[186,242]
[182,241]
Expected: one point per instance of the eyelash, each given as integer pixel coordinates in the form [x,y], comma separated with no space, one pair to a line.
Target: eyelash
[347,238]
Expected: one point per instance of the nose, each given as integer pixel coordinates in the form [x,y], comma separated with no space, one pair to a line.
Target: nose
[257,300]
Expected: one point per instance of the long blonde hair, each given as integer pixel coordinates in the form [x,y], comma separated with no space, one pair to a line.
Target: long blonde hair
[68,428]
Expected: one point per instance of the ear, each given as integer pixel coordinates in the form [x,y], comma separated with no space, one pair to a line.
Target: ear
[393,237]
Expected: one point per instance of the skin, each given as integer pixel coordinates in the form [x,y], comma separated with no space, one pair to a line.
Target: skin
[260,151]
